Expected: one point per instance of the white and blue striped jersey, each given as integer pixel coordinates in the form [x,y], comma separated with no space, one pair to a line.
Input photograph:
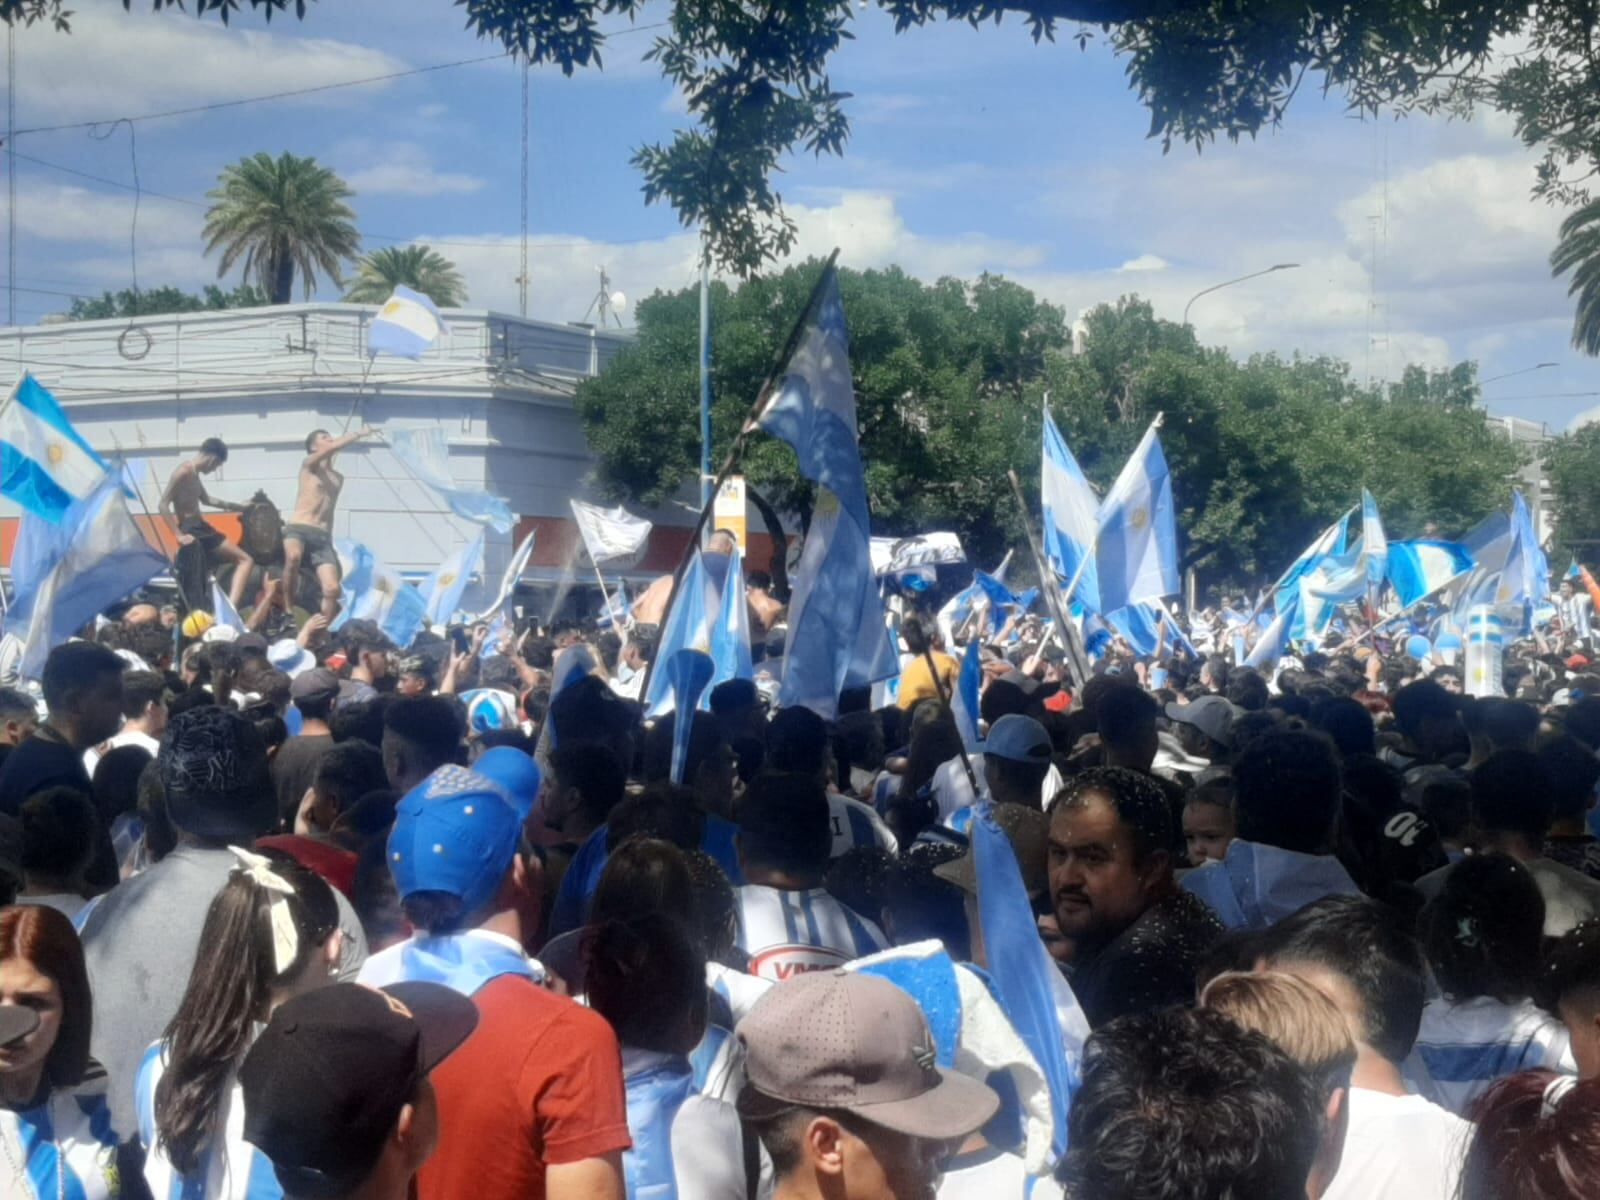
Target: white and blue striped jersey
[1467,1046]
[786,932]
[685,1146]
[234,1170]
[63,1146]
[854,824]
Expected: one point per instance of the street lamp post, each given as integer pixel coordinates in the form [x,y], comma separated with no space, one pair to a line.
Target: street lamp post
[1510,374]
[1217,287]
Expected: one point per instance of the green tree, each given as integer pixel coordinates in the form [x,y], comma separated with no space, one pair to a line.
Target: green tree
[419,267]
[950,382]
[154,301]
[281,217]
[1572,464]
[757,85]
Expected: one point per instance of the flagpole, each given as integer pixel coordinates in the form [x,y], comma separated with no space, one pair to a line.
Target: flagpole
[917,642]
[360,388]
[1076,659]
[601,580]
[763,397]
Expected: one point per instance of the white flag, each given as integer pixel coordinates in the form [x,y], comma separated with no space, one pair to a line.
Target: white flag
[613,536]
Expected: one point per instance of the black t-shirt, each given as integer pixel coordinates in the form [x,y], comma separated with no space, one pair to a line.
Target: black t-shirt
[1151,964]
[42,761]
[294,768]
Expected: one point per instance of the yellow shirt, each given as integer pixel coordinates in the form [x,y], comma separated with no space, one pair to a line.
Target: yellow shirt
[917,684]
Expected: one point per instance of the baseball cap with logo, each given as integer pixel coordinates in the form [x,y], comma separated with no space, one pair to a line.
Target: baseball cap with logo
[854,1043]
[455,832]
[326,1080]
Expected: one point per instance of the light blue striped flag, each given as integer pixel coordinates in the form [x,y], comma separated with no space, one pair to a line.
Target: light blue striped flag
[374,591]
[444,587]
[105,559]
[426,455]
[407,324]
[1374,543]
[1136,555]
[688,673]
[45,465]
[730,632]
[1333,540]
[1071,517]
[964,701]
[1033,993]
[687,626]
[1419,568]
[838,637]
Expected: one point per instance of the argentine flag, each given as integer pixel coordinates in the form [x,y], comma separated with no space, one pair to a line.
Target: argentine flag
[1071,517]
[1418,569]
[105,558]
[374,591]
[1374,544]
[1333,540]
[45,465]
[687,626]
[964,703]
[1137,552]
[837,634]
[449,580]
[406,325]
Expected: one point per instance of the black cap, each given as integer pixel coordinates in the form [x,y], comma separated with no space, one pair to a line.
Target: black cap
[324,1083]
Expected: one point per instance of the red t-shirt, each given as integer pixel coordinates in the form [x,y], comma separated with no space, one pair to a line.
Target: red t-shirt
[539,1083]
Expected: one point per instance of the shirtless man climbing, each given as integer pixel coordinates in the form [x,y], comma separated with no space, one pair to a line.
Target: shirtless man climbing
[308,533]
[180,504]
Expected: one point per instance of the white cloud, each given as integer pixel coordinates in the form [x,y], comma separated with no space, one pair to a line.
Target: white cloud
[62,213]
[411,179]
[114,63]
[1145,262]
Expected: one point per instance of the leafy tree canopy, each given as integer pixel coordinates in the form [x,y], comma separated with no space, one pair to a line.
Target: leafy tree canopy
[951,379]
[155,301]
[420,267]
[756,76]
[1572,464]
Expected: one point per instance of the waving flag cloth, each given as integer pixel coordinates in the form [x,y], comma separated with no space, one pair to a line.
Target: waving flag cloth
[39,546]
[688,673]
[1273,643]
[407,324]
[837,635]
[444,587]
[105,559]
[424,453]
[1136,555]
[374,591]
[729,642]
[964,702]
[1525,579]
[224,610]
[512,573]
[1419,568]
[610,535]
[1337,579]
[1374,545]
[1071,517]
[687,626]
[1333,540]
[45,465]
[1039,1002]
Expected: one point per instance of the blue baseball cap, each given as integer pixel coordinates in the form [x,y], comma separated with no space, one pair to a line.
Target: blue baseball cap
[1019,738]
[514,771]
[455,832]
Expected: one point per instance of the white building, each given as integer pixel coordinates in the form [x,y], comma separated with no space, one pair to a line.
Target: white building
[1530,437]
[152,388]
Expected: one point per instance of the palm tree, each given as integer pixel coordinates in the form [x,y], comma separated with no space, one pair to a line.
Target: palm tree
[417,267]
[281,215]
[1580,247]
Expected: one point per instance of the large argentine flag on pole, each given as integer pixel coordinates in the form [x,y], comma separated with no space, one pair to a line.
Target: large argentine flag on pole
[406,325]
[449,580]
[1071,516]
[1137,553]
[837,634]
[45,465]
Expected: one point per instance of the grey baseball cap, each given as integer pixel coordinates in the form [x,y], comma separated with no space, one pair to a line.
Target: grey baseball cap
[851,1042]
[1211,715]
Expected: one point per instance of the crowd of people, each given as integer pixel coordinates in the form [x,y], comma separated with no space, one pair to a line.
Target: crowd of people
[294,911]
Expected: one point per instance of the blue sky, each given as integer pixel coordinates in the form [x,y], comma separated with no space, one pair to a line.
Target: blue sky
[971,151]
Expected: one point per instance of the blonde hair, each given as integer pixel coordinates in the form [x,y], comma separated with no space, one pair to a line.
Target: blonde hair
[1293,1015]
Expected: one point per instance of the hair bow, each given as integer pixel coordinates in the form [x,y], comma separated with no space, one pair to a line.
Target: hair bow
[285,937]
